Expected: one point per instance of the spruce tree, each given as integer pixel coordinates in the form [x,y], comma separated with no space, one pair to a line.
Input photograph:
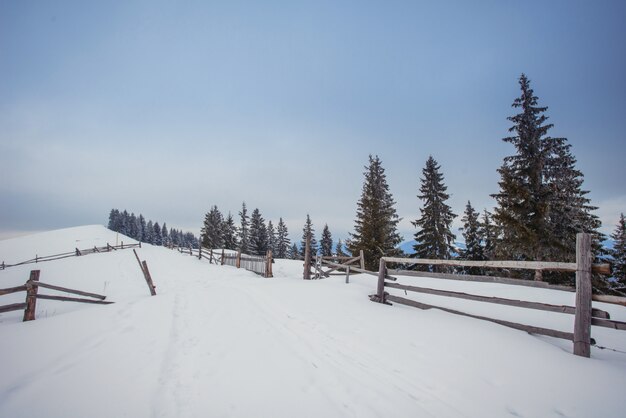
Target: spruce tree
[294,254]
[258,234]
[113,220]
[230,233]
[339,249]
[156,235]
[488,236]
[434,239]
[472,234]
[142,228]
[164,236]
[149,233]
[244,239]
[308,230]
[271,237]
[282,240]
[618,253]
[326,242]
[212,233]
[375,229]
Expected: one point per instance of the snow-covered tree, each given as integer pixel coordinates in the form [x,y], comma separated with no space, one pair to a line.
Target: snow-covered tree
[282,240]
[471,233]
[339,249]
[244,230]
[212,233]
[230,233]
[326,242]
[375,229]
[149,233]
[308,230]
[271,237]
[434,239]
[165,236]
[258,234]
[294,253]
[156,234]
[618,253]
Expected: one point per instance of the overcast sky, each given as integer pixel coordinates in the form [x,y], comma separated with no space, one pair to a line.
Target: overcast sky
[167,108]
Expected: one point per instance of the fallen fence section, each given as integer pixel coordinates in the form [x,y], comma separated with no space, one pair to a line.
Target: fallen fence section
[314,267]
[31,287]
[584,314]
[143,265]
[75,253]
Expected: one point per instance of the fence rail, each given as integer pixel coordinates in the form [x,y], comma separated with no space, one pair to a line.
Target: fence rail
[75,253]
[584,314]
[255,263]
[31,287]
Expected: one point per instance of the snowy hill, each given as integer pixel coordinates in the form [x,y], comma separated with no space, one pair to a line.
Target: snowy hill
[221,342]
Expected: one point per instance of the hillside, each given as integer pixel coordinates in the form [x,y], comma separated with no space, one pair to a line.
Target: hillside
[221,342]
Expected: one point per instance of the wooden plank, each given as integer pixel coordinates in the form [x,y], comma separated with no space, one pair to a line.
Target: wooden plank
[74,291]
[345,263]
[607,323]
[12,307]
[481,279]
[151,285]
[10,290]
[615,300]
[31,296]
[497,300]
[528,328]
[68,299]
[582,320]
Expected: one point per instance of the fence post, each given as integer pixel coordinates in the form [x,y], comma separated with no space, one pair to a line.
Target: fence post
[307,258]
[238,262]
[362,259]
[222,260]
[200,253]
[31,296]
[148,278]
[538,275]
[78,252]
[381,281]
[268,264]
[582,319]
[122,242]
[36,257]
[348,274]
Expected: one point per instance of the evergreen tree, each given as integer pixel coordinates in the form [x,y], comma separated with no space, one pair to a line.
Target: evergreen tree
[471,233]
[164,236]
[282,240]
[133,230]
[156,235]
[524,198]
[258,234]
[271,237]
[142,228]
[434,238]
[244,239]
[230,233]
[174,237]
[375,229]
[149,234]
[212,233]
[326,242]
[339,249]
[618,253]
[488,236]
[294,254]
[309,231]
[113,220]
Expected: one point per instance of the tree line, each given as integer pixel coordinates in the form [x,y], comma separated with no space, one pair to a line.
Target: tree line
[137,228]
[540,206]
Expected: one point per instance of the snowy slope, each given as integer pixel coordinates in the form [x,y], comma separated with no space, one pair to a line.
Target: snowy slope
[222,342]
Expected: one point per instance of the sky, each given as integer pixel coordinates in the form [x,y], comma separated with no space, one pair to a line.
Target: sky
[166,108]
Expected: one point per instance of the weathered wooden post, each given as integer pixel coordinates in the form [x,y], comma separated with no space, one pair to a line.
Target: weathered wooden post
[210,254]
[538,275]
[268,264]
[582,319]
[380,293]
[238,262]
[200,253]
[222,260]
[148,278]
[348,274]
[36,258]
[122,242]
[78,252]
[31,296]
[307,258]
[362,259]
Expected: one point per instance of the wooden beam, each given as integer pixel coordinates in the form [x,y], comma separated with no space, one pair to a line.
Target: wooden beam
[68,299]
[31,296]
[482,279]
[615,300]
[74,291]
[12,307]
[607,323]
[382,272]
[10,290]
[306,275]
[345,263]
[151,285]
[582,320]
[528,265]
[528,328]
[500,301]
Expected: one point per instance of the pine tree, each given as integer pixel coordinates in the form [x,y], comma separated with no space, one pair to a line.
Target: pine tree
[524,197]
[375,229]
[113,220]
[212,233]
[339,249]
[471,233]
[244,239]
[271,237]
[282,240]
[308,230]
[326,242]
[618,253]
[434,238]
[230,233]
[488,236]
[258,234]
[164,236]
[149,233]
[156,236]
[294,254]
[142,228]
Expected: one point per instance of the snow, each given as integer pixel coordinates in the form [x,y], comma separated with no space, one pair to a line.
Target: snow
[218,341]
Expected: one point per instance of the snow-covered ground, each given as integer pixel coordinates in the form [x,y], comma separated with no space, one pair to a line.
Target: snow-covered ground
[221,342]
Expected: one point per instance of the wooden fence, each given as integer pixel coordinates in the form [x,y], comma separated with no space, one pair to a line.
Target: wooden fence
[584,314]
[314,266]
[255,263]
[75,253]
[31,287]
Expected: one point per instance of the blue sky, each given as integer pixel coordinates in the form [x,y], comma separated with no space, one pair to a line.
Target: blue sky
[166,108]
